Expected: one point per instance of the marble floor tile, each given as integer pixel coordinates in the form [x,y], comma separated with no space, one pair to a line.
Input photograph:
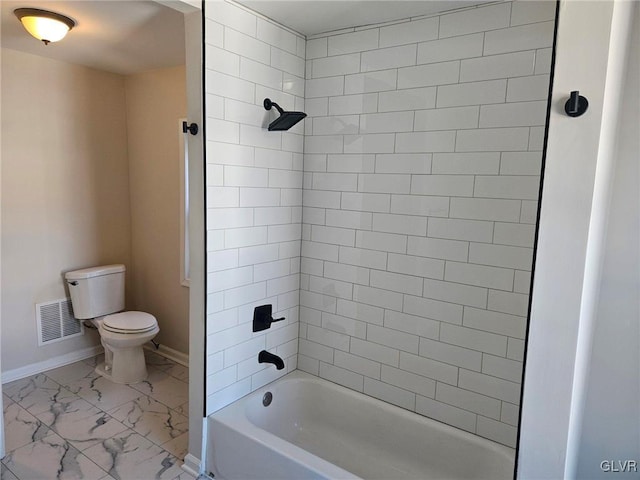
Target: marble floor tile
[51,457]
[80,423]
[94,361]
[164,388]
[6,400]
[36,394]
[21,428]
[185,476]
[102,392]
[5,473]
[62,424]
[130,456]
[179,371]
[179,446]
[70,373]
[183,409]
[158,361]
[151,419]
[19,389]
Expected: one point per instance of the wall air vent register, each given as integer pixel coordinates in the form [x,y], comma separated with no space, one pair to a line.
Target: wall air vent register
[56,322]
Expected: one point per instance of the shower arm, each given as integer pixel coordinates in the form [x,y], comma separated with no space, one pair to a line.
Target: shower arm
[268,104]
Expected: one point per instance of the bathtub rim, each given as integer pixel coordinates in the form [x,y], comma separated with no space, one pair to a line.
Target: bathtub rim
[235,416]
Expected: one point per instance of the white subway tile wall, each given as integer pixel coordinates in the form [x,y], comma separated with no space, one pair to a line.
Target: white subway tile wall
[401,253]
[422,166]
[254,198]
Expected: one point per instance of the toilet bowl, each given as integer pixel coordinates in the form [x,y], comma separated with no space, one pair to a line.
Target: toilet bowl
[122,336]
[97,295]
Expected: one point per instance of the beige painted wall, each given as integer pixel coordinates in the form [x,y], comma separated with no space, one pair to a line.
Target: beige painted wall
[90,176]
[65,190]
[155,101]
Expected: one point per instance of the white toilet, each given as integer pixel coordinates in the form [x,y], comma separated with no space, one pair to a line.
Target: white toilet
[97,293]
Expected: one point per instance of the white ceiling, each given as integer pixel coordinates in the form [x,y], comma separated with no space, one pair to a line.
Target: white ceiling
[117,36]
[318,16]
[129,36]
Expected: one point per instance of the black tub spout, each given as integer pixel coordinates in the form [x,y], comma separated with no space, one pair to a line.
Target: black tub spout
[266,357]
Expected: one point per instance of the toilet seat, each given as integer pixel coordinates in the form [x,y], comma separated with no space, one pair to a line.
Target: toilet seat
[129,323]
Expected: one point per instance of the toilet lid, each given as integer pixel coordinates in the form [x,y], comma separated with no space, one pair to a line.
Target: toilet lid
[129,322]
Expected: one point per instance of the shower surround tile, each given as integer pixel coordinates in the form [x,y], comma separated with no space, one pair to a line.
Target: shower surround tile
[255,184]
[418,194]
[439,224]
[475,20]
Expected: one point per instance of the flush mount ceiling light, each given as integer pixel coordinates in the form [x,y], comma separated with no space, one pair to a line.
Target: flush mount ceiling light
[44,25]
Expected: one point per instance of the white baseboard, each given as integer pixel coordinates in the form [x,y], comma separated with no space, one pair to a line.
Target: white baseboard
[55,362]
[170,353]
[191,465]
[72,357]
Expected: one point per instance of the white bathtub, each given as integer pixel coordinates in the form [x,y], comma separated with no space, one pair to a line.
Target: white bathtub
[314,429]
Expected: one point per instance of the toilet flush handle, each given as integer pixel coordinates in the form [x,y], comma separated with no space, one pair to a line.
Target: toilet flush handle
[73,282]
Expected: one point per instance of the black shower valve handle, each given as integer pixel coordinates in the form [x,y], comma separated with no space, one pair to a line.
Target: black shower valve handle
[262,318]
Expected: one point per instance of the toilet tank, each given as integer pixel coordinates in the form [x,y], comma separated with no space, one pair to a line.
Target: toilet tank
[96,291]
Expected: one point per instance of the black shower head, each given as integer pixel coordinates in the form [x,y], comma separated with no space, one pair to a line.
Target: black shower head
[286,120]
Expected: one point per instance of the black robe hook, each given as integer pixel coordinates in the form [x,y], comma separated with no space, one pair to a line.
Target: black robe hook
[576,105]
